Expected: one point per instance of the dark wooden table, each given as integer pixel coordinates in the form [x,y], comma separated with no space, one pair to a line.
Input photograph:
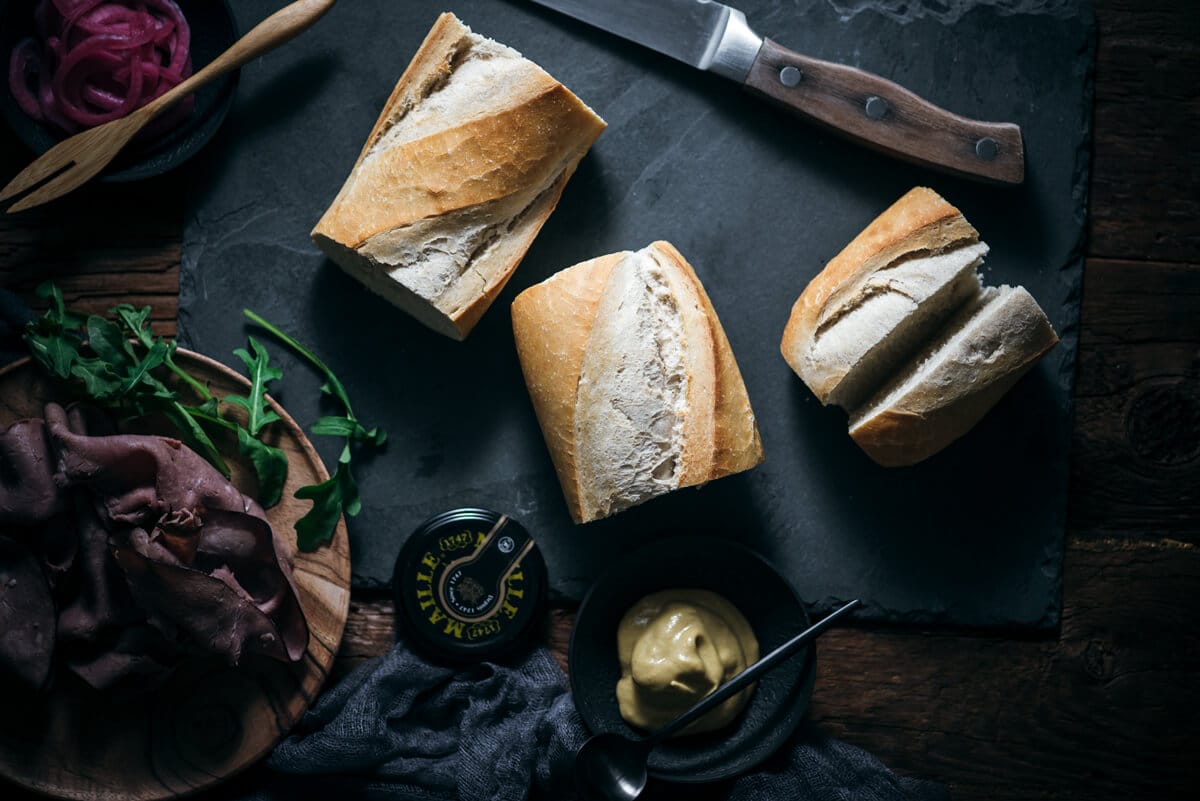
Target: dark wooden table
[1109,708]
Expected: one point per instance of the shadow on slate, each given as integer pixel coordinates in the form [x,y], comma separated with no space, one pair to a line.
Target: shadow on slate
[758,202]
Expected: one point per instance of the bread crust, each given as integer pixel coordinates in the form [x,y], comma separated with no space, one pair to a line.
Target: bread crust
[920,221]
[461,167]
[514,245]
[1003,345]
[736,443]
[552,323]
[700,355]
[914,390]
[511,157]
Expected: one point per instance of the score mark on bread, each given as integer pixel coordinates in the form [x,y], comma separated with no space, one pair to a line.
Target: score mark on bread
[633,380]
[466,162]
[899,330]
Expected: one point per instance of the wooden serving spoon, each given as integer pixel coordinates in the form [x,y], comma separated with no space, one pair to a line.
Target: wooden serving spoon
[74,161]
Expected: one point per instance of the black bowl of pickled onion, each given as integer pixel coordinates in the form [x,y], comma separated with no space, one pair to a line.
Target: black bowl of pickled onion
[162,147]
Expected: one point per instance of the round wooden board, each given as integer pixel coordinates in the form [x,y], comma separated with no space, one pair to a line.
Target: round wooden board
[208,721]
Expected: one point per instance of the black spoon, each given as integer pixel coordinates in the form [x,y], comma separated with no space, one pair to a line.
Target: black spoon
[613,766]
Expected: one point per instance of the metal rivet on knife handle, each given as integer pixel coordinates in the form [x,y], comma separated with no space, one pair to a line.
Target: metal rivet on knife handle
[876,107]
[847,100]
[987,148]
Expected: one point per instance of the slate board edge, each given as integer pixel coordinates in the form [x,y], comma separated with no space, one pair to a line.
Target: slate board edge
[1075,267]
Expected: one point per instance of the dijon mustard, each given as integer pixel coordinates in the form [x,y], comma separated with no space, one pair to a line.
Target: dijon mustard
[675,647]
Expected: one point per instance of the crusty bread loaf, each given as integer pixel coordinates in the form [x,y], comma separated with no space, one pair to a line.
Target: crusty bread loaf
[899,331]
[956,379]
[633,380]
[465,163]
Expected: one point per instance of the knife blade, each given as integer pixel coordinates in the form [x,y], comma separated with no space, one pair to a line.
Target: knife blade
[851,102]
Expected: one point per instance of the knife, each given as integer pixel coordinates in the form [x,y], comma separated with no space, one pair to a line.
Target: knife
[850,102]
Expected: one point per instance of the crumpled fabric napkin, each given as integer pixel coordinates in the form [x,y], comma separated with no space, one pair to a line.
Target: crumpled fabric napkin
[401,727]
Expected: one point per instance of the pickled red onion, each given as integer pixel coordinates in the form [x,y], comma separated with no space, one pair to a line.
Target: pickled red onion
[94,61]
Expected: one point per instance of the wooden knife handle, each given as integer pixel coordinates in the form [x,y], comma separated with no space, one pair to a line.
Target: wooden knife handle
[887,117]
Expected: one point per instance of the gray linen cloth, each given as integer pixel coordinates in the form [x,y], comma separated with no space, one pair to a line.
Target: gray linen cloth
[401,727]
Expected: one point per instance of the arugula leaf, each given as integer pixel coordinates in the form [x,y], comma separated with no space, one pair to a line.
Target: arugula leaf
[341,426]
[108,342]
[140,372]
[270,463]
[336,426]
[137,322]
[100,381]
[332,497]
[48,290]
[351,500]
[270,466]
[339,494]
[195,436]
[375,436]
[124,378]
[257,412]
[55,338]
[58,311]
[332,385]
[56,352]
[209,408]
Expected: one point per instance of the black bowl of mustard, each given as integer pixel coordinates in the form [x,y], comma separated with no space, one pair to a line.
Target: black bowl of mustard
[470,585]
[769,604]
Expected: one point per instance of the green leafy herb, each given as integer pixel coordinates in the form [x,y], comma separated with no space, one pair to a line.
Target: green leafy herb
[270,466]
[108,342]
[54,338]
[341,426]
[122,369]
[339,493]
[270,463]
[194,435]
[257,412]
[330,498]
[124,378]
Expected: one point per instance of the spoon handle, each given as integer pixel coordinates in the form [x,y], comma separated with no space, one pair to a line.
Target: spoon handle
[750,674]
[280,27]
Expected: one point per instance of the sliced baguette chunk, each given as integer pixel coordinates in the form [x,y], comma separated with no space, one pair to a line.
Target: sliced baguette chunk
[896,310]
[466,162]
[943,392]
[899,331]
[853,307]
[633,381]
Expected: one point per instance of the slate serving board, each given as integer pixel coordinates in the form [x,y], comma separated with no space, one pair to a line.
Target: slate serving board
[758,202]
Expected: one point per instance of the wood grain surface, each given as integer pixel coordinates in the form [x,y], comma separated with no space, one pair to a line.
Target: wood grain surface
[1108,708]
[208,721]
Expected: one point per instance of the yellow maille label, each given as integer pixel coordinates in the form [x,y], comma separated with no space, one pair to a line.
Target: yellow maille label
[484,628]
[461,540]
[514,592]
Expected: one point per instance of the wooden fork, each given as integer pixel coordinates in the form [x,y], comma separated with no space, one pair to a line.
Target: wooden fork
[80,157]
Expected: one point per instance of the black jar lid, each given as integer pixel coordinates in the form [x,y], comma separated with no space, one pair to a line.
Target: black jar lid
[470,585]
